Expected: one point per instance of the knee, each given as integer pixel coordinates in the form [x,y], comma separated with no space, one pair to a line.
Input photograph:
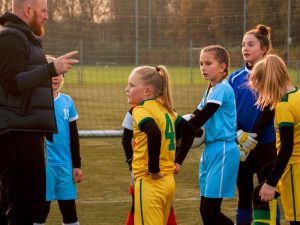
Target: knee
[68,211]
[209,214]
[41,216]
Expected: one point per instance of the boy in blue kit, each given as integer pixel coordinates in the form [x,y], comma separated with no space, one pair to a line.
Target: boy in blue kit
[63,158]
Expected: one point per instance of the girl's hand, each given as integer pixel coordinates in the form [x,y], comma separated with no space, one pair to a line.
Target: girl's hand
[177,168]
[267,192]
[78,175]
[156,176]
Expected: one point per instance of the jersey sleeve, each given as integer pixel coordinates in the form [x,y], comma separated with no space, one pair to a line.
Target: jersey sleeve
[141,115]
[202,104]
[284,115]
[73,113]
[217,95]
[128,121]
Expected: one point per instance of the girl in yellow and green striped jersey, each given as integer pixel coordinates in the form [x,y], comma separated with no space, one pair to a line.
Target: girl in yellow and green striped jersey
[155,124]
[270,79]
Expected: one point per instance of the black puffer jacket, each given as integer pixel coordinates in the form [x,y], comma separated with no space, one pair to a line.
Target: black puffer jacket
[26,102]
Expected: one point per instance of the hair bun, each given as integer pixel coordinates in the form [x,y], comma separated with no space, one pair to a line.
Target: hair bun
[265,30]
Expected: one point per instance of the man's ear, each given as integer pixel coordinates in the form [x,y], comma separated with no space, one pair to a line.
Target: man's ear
[28,11]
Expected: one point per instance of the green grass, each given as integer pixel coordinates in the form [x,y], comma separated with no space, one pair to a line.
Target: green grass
[110,75]
[103,196]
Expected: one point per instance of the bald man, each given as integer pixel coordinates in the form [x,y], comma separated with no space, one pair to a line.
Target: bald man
[26,110]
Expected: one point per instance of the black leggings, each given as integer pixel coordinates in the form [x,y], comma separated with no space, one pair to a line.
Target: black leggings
[67,209]
[295,223]
[210,211]
[257,159]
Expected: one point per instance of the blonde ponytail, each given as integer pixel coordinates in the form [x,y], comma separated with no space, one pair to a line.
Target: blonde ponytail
[166,93]
[158,77]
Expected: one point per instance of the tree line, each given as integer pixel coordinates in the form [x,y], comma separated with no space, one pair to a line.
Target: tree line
[107,29]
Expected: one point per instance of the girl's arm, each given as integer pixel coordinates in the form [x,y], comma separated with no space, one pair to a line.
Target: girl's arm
[263,121]
[127,146]
[74,145]
[187,132]
[285,153]
[201,116]
[78,175]
[268,189]
[154,142]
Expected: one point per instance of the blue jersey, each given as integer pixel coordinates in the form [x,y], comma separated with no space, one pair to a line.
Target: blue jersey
[247,111]
[59,152]
[222,125]
[220,158]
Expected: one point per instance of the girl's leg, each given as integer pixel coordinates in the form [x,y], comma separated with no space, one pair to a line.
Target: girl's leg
[42,217]
[295,223]
[172,218]
[68,211]
[210,210]
[130,217]
[245,189]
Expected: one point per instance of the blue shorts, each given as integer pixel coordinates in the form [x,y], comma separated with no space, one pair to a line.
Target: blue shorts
[59,183]
[219,166]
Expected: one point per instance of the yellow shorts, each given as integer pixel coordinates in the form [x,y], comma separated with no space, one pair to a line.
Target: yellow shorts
[289,188]
[153,200]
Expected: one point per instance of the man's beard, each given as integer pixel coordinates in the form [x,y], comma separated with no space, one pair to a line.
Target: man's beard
[37,29]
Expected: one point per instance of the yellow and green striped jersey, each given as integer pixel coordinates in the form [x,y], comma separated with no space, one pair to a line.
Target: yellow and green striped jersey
[287,113]
[152,109]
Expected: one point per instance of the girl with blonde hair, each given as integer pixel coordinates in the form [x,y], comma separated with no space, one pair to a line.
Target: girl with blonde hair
[270,79]
[155,124]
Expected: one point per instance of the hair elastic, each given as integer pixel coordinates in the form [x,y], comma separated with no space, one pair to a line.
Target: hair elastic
[160,71]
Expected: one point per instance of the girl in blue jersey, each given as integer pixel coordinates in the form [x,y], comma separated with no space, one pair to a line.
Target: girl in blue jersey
[251,121]
[220,157]
[63,158]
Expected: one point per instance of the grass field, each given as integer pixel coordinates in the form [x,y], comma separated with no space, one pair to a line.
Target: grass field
[103,196]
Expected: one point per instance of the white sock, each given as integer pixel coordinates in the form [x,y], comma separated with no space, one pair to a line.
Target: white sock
[38,224]
[76,223]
